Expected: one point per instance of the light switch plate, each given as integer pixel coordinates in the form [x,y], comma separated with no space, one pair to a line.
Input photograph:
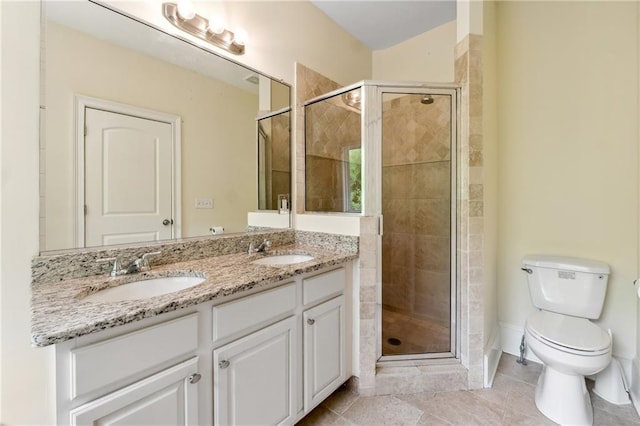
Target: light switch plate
[204,203]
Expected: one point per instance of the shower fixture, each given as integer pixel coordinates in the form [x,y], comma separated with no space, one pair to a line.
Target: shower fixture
[427,99]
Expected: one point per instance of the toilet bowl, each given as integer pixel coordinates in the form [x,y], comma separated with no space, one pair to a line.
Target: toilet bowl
[568,292]
[571,349]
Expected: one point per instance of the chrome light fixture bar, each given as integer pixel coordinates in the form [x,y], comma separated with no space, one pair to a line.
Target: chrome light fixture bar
[201,28]
[353,98]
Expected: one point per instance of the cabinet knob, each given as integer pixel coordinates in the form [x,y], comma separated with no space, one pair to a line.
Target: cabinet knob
[311,321]
[194,378]
[224,363]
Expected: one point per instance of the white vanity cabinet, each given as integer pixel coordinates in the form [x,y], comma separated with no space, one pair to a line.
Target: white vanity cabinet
[146,376]
[254,377]
[278,373]
[267,357]
[324,351]
[325,346]
[167,397]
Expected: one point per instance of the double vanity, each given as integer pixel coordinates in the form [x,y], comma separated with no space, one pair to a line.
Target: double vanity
[237,337]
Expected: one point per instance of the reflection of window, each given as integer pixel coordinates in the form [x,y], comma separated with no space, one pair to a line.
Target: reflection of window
[353,179]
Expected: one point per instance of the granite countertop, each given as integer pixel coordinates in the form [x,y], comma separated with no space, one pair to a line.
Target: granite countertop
[58,312]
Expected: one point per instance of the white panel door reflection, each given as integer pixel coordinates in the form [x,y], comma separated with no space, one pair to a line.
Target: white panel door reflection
[128,178]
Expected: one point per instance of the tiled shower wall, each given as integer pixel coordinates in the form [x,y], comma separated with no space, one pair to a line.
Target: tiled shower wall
[416,188]
[281,161]
[330,127]
[468,73]
[308,85]
[416,377]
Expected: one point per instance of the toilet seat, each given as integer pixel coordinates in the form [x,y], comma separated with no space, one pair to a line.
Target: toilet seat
[577,336]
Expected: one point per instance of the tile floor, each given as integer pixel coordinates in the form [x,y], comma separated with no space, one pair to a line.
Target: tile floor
[509,402]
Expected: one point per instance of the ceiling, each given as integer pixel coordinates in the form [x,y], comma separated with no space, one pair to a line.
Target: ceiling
[383,23]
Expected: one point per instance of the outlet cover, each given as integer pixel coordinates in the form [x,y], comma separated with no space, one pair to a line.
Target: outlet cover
[204,203]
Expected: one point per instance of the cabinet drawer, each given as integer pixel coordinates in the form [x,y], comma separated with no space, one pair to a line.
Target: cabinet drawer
[164,398]
[111,361]
[237,318]
[323,286]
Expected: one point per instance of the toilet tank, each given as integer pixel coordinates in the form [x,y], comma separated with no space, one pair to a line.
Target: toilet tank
[567,285]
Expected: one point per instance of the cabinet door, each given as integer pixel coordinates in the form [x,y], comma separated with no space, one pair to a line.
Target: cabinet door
[254,377]
[324,351]
[166,398]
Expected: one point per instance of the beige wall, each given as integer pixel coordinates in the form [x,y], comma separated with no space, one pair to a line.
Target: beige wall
[568,132]
[635,385]
[426,57]
[27,384]
[218,138]
[490,170]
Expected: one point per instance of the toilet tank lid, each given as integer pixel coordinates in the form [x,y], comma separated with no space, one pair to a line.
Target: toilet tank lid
[566,263]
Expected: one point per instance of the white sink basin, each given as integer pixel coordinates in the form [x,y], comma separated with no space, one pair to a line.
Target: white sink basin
[283,259]
[143,289]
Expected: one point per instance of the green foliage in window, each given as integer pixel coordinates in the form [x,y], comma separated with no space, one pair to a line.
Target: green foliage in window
[355,180]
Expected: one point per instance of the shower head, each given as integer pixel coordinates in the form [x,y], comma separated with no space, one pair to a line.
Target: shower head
[427,99]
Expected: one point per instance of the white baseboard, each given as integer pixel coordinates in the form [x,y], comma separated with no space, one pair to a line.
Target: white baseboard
[511,336]
[492,353]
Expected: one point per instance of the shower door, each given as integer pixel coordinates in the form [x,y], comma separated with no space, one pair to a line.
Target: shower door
[418,318]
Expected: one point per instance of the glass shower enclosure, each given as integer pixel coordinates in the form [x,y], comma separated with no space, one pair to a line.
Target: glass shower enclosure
[389,150]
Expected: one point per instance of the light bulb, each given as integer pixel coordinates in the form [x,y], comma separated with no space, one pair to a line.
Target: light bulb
[352,98]
[186,9]
[216,25]
[240,37]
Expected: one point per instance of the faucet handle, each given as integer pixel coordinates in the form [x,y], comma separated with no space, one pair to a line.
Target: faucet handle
[114,269]
[144,262]
[151,253]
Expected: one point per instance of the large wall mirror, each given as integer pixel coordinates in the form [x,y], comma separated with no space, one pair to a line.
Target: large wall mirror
[147,137]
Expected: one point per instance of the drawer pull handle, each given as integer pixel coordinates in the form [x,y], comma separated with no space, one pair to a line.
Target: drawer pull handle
[311,321]
[194,378]
[224,363]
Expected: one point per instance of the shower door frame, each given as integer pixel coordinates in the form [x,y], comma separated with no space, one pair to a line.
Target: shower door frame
[372,199]
[371,144]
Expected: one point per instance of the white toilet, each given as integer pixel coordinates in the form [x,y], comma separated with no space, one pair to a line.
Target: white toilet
[568,292]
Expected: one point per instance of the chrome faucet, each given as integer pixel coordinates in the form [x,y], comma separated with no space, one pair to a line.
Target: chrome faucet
[142,264]
[114,269]
[139,265]
[262,247]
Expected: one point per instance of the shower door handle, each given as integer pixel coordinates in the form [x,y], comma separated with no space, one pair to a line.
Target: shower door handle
[380,225]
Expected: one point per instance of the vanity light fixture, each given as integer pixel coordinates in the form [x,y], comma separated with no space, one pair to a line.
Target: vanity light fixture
[183,15]
[353,98]
[186,10]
